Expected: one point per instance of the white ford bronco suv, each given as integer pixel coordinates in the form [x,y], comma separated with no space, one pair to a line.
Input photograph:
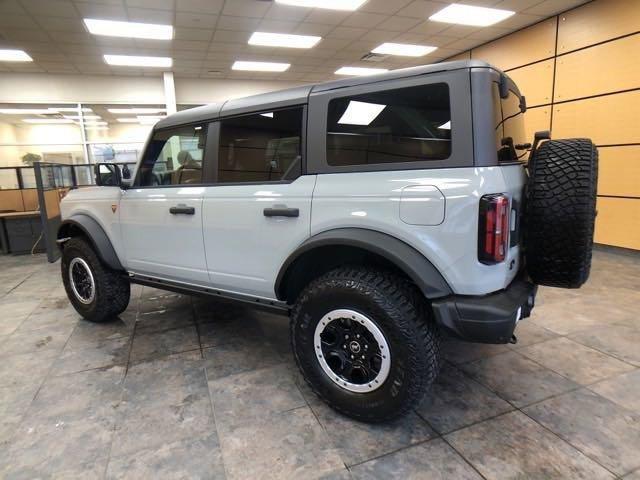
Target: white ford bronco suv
[378,212]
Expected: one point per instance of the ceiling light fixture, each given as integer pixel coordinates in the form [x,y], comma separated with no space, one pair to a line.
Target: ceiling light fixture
[69,109]
[114,28]
[403,49]
[359,71]
[360,113]
[349,5]
[86,117]
[470,15]
[96,128]
[26,111]
[47,120]
[95,122]
[260,66]
[150,120]
[137,61]
[7,55]
[128,120]
[283,40]
[135,110]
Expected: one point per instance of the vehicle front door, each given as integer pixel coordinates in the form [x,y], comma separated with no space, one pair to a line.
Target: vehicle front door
[161,214]
[259,208]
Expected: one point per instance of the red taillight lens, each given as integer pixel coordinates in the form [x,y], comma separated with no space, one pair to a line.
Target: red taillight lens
[493,228]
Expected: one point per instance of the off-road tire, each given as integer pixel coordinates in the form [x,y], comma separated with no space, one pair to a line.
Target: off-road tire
[112,289]
[560,212]
[399,310]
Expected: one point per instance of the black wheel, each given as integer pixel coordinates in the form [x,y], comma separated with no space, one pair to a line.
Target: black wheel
[96,292]
[560,212]
[364,342]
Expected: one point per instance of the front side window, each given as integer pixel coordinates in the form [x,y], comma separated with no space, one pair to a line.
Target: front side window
[174,157]
[262,147]
[393,126]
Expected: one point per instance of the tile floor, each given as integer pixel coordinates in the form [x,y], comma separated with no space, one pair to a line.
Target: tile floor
[180,387]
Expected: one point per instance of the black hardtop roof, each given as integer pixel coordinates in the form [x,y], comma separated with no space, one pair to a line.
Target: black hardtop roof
[299,95]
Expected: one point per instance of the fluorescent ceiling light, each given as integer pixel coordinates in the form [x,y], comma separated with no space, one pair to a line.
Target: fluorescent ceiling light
[403,49]
[137,61]
[260,66]
[86,117]
[69,109]
[150,120]
[113,28]
[328,4]
[47,120]
[268,114]
[14,56]
[360,113]
[96,127]
[128,120]
[283,40]
[135,111]
[93,122]
[470,15]
[359,71]
[25,111]
[445,126]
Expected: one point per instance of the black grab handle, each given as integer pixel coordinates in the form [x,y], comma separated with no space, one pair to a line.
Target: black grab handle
[281,212]
[182,210]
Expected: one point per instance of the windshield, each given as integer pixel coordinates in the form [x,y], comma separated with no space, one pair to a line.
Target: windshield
[509,125]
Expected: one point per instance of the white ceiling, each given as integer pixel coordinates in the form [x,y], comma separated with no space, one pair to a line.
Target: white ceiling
[211,34]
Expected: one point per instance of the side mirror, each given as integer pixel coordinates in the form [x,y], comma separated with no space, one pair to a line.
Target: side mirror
[107,175]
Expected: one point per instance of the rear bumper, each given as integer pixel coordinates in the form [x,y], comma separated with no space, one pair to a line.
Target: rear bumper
[489,318]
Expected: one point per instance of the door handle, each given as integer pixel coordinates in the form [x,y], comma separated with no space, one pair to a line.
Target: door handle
[281,212]
[182,210]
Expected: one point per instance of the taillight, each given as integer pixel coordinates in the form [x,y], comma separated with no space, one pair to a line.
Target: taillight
[493,228]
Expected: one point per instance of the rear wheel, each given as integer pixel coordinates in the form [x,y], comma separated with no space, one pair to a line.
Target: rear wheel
[95,291]
[364,342]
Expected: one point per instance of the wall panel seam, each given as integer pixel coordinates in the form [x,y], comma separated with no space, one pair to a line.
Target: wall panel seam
[613,39]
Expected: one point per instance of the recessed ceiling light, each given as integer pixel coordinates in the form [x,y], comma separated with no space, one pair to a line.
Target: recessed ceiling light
[260,66]
[403,49]
[47,120]
[361,113]
[328,4]
[25,111]
[113,28]
[14,56]
[470,15]
[136,61]
[359,71]
[135,110]
[283,40]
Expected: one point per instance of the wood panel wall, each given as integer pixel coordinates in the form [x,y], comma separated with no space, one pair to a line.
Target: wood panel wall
[580,72]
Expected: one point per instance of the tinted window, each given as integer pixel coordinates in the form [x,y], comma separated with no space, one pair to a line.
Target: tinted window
[262,147]
[174,157]
[404,125]
[509,121]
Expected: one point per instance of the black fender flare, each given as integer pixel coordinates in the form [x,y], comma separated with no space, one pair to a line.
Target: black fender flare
[413,263]
[96,235]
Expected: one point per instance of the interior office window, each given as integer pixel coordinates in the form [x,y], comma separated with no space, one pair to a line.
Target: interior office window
[261,147]
[174,157]
[404,125]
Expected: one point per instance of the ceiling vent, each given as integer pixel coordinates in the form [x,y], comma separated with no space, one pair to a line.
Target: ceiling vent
[373,57]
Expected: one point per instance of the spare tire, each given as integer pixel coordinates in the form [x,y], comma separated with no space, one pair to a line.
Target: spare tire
[560,212]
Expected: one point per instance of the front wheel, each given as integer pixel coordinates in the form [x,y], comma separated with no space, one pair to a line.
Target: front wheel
[365,343]
[96,292]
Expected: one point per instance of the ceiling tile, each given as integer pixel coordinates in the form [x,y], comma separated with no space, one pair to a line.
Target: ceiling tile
[313,29]
[421,9]
[48,57]
[553,7]
[60,24]
[200,6]
[230,36]
[364,20]
[384,6]
[93,68]
[430,28]
[277,26]
[53,8]
[245,8]
[11,6]
[98,10]
[27,35]
[519,20]
[147,15]
[190,45]
[243,24]
[516,5]
[379,36]
[347,32]
[154,4]
[398,24]
[464,43]
[489,33]
[193,34]
[36,47]
[194,20]
[51,67]
[18,21]
[328,17]
[71,37]
[286,12]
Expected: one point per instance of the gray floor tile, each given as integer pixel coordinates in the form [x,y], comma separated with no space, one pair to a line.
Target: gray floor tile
[13,307]
[528,333]
[617,340]
[358,442]
[90,334]
[596,426]
[258,394]
[455,401]
[196,459]
[51,338]
[632,476]
[513,446]
[165,319]
[106,354]
[459,352]
[26,368]
[220,332]
[288,445]
[581,364]
[9,324]
[431,460]
[43,319]
[623,390]
[240,355]
[14,402]
[518,379]
[149,346]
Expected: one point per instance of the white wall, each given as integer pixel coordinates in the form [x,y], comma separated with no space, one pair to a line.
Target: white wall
[38,87]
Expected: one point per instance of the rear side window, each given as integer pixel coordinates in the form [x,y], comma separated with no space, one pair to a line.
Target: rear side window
[262,147]
[173,157]
[510,129]
[393,126]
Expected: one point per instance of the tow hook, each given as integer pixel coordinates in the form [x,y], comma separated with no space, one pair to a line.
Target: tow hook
[513,340]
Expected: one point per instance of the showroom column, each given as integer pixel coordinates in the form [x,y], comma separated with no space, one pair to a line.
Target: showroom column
[169,92]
